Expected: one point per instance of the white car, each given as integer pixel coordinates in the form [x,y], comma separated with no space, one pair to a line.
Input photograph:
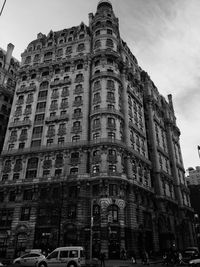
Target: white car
[194,262]
[29,259]
[73,256]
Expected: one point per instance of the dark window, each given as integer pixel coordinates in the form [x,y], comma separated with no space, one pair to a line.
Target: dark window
[75,138]
[72,212]
[12,196]
[74,171]
[113,213]
[35,143]
[25,214]
[16,176]
[113,190]
[28,194]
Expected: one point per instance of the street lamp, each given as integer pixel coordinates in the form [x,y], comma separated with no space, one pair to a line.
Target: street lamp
[91,233]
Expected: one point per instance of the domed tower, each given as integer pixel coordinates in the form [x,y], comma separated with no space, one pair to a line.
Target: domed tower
[106,126]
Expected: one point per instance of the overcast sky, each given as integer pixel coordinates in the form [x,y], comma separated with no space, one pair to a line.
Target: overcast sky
[164,35]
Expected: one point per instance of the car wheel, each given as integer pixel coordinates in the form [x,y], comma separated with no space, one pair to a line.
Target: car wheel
[17,262]
[72,264]
[42,264]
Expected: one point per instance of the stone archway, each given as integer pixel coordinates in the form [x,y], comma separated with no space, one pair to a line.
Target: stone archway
[21,239]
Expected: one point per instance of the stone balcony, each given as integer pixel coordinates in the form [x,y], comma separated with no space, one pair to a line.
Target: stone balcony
[20,124]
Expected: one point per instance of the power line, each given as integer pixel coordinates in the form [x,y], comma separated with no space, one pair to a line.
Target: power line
[2,7]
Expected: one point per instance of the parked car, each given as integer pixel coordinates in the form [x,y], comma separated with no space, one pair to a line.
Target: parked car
[29,259]
[190,253]
[64,257]
[195,262]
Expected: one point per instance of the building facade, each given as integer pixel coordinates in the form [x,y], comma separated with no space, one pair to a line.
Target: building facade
[91,144]
[8,69]
[193,177]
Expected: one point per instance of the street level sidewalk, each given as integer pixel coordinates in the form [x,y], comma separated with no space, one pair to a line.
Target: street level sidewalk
[122,263]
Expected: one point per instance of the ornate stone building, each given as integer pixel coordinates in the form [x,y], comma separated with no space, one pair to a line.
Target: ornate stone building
[8,69]
[91,142]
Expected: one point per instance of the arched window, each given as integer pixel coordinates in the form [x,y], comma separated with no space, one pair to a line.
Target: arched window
[75,138]
[44,85]
[113,211]
[32,163]
[79,66]
[74,171]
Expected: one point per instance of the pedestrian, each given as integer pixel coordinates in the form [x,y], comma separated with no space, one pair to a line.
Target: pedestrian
[102,259]
[145,258]
[123,254]
[133,258]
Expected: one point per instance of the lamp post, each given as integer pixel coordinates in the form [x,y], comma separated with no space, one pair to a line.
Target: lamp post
[91,232]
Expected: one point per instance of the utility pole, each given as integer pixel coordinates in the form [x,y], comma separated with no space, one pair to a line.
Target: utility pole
[2,7]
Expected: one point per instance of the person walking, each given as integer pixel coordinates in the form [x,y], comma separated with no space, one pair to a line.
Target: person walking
[102,259]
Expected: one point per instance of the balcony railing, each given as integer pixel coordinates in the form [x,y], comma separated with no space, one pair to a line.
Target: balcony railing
[78,91]
[108,111]
[36,135]
[65,145]
[106,74]
[26,89]
[75,161]
[20,124]
[78,103]
[77,115]
[60,82]
[64,105]
[76,129]
[57,118]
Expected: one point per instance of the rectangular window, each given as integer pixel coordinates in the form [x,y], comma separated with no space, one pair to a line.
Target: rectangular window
[35,143]
[41,106]
[39,118]
[28,194]
[25,214]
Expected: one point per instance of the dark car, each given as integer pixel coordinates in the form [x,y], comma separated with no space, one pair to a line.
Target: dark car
[190,253]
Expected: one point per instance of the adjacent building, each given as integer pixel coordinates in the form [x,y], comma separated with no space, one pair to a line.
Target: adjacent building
[193,177]
[193,181]
[8,69]
[91,143]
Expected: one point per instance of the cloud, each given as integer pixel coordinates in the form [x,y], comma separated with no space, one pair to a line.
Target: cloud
[164,36]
